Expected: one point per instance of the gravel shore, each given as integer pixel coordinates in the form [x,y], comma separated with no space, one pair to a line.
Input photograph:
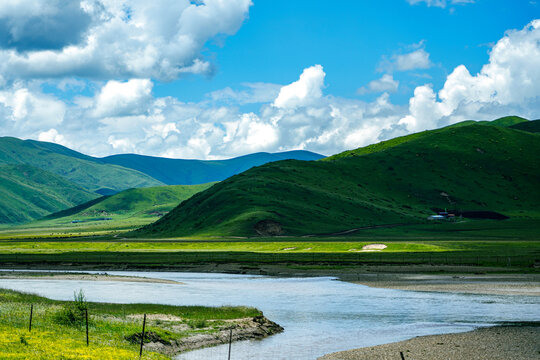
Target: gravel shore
[487,284]
[493,343]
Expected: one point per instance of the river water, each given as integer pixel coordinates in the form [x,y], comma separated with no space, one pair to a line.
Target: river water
[320,315]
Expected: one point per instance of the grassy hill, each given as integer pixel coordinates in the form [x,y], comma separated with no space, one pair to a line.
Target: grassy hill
[529,126]
[126,210]
[27,193]
[187,172]
[472,167]
[71,165]
[151,202]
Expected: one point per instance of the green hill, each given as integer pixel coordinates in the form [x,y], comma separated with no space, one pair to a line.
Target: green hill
[529,126]
[27,193]
[472,167]
[80,169]
[141,202]
[188,172]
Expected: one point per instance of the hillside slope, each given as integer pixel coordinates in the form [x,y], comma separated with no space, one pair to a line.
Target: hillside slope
[143,202]
[529,126]
[27,193]
[73,166]
[471,167]
[188,172]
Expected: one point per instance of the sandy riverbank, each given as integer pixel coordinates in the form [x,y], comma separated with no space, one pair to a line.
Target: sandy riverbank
[494,343]
[488,284]
[463,279]
[80,276]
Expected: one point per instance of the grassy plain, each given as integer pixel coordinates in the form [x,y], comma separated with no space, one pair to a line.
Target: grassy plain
[508,244]
[110,325]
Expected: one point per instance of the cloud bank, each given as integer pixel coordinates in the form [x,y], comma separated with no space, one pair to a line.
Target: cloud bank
[122,116]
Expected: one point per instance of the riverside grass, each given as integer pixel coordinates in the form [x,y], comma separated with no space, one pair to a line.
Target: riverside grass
[110,324]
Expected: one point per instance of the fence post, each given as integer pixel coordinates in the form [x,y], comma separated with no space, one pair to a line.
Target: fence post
[86,313]
[230,344]
[31,313]
[142,335]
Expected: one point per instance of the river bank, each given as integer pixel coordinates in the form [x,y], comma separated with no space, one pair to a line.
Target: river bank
[57,327]
[519,342]
[451,279]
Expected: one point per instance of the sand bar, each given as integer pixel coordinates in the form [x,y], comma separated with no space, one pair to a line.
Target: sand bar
[494,343]
[80,276]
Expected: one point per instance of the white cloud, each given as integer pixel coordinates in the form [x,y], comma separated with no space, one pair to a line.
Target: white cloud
[41,24]
[26,110]
[299,115]
[123,98]
[385,84]
[509,82]
[255,93]
[304,91]
[53,136]
[159,39]
[418,59]
[440,3]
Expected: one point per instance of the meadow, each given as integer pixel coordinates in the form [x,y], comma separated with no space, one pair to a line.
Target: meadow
[58,327]
[508,245]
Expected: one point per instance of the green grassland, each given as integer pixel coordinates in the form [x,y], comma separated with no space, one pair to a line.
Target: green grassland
[471,167]
[55,334]
[126,210]
[508,244]
[27,193]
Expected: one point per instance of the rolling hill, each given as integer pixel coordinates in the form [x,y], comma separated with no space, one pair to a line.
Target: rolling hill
[80,169]
[472,167]
[124,211]
[27,193]
[103,176]
[188,172]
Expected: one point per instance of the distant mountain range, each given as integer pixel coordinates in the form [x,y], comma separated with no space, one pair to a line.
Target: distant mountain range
[471,166]
[189,172]
[38,178]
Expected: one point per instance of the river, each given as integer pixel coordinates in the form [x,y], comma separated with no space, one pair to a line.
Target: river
[320,315]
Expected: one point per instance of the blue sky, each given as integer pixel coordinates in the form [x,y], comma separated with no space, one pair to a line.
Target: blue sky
[280,37]
[222,78]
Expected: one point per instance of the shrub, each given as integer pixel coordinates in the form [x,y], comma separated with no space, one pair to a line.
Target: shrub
[73,313]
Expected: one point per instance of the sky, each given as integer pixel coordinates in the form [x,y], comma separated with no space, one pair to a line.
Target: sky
[213,79]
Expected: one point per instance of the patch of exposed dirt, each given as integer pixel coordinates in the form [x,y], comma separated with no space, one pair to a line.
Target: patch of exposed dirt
[374,247]
[268,228]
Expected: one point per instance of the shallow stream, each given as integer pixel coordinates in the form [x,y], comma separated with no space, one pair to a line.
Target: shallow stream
[320,315]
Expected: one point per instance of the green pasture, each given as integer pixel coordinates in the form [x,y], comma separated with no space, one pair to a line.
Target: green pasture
[56,336]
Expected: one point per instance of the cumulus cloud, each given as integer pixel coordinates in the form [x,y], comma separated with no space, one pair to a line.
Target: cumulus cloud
[107,39]
[123,98]
[53,136]
[304,91]
[415,58]
[124,116]
[385,84]
[418,59]
[26,110]
[510,81]
[27,25]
